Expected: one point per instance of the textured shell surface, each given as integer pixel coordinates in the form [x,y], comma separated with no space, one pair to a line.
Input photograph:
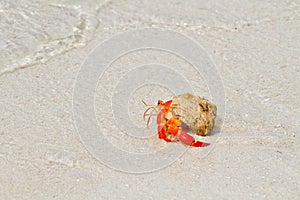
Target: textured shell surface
[196,113]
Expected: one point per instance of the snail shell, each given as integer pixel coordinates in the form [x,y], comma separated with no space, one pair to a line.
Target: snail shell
[196,114]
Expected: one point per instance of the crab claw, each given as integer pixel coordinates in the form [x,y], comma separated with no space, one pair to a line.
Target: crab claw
[189,140]
[162,133]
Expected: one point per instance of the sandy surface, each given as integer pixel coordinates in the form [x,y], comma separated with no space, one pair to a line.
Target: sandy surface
[255,47]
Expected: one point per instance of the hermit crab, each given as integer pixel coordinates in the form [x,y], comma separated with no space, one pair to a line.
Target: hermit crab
[182,116]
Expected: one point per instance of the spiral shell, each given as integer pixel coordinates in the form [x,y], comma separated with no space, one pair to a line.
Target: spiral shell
[196,114]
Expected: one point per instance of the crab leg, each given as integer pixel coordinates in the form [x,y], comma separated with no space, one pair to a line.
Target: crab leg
[189,140]
[162,133]
[162,128]
[174,128]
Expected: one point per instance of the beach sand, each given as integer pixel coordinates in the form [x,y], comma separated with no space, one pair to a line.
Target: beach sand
[254,152]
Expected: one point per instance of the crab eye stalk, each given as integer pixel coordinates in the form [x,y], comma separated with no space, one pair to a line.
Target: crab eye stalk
[160,102]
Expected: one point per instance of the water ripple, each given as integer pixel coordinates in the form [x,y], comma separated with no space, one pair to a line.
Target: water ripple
[34,32]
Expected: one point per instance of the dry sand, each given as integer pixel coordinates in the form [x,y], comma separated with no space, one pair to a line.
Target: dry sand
[255,46]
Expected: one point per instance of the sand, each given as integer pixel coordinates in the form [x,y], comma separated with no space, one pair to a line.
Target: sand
[71,123]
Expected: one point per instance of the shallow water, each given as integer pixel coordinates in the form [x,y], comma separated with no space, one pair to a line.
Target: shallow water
[33,32]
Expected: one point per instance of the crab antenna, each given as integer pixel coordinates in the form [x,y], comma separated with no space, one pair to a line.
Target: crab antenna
[147,104]
[148,121]
[150,115]
[145,113]
[151,106]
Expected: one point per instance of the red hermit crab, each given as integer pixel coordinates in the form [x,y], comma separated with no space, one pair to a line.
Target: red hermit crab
[183,114]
